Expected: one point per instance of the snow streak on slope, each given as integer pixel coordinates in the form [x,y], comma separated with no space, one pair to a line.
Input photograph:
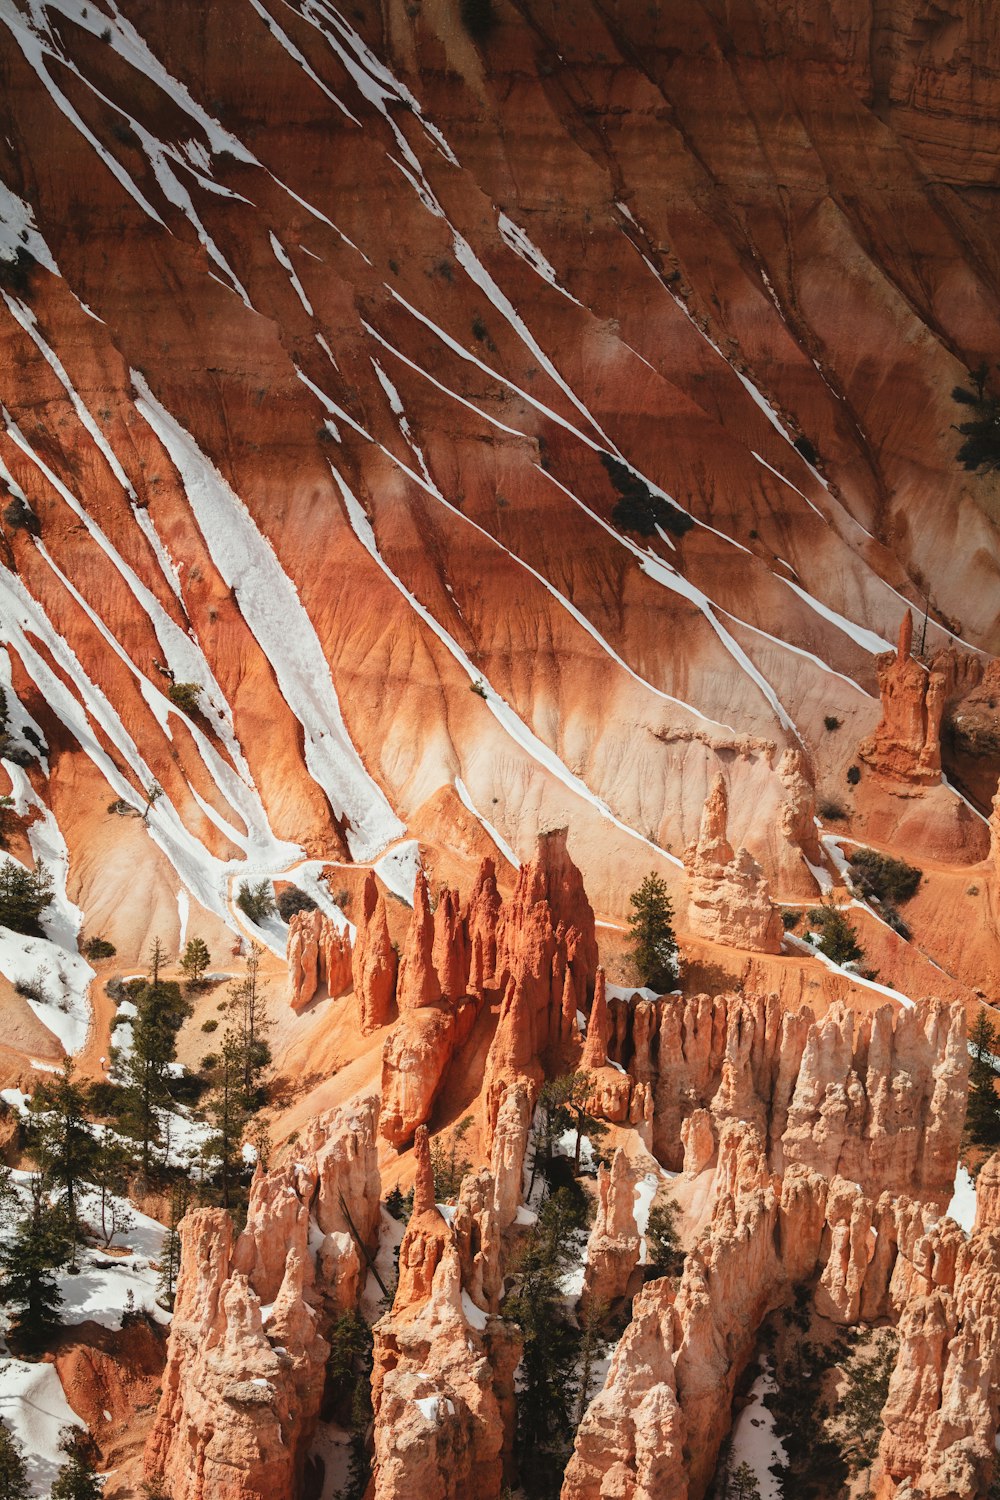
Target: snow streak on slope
[275,614]
[498,707]
[51,965]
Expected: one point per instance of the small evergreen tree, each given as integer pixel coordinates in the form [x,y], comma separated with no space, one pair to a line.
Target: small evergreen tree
[77,1479]
[449,1167]
[39,1246]
[652,947]
[256,901]
[982,1117]
[548,1394]
[13,1474]
[247,1005]
[61,1137]
[743,1484]
[664,1256]
[562,1106]
[185,696]
[195,961]
[161,1011]
[348,1374]
[170,1255]
[113,1160]
[227,1112]
[868,1377]
[593,1321]
[838,940]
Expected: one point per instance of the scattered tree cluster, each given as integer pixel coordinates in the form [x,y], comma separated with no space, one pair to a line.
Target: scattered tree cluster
[885,882]
[979,450]
[638,509]
[24,896]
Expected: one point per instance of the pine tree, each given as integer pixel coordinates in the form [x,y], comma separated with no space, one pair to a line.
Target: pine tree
[247,1006]
[113,1161]
[39,1245]
[593,1321]
[449,1167]
[743,1484]
[861,1409]
[838,938]
[664,1256]
[548,1393]
[161,1011]
[982,1118]
[13,1474]
[76,1479]
[227,1112]
[170,1255]
[61,1137]
[563,1104]
[195,961]
[652,947]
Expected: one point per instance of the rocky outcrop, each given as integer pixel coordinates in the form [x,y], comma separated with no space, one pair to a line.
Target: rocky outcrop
[442,1382]
[632,1440]
[319,956]
[415,1059]
[244,1375]
[906,745]
[441,1388]
[418,982]
[837,1142]
[450,952]
[940,1416]
[546,968]
[481,916]
[613,1246]
[876,1098]
[510,1144]
[374,962]
[728,898]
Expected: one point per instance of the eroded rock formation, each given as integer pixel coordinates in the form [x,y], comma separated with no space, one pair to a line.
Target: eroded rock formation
[319,956]
[728,898]
[837,1146]
[906,745]
[613,1246]
[374,962]
[244,1376]
[442,1383]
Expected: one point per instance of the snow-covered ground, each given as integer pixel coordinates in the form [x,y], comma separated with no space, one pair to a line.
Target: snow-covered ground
[99,1291]
[962,1207]
[34,1408]
[754,1440]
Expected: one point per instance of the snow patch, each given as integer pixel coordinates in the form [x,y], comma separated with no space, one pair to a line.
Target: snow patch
[962,1207]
